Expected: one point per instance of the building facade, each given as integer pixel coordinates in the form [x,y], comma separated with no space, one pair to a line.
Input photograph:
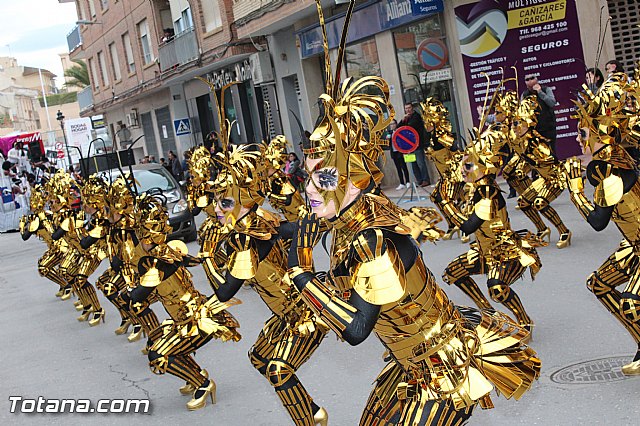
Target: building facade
[143,77]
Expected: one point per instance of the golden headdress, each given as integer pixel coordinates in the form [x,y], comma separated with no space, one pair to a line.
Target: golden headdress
[120,198]
[436,115]
[507,103]
[240,170]
[275,153]
[152,219]
[200,165]
[94,193]
[610,114]
[484,151]
[60,192]
[353,115]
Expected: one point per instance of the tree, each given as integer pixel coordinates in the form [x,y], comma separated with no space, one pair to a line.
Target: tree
[78,75]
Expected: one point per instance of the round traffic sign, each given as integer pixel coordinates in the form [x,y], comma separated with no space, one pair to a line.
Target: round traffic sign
[58,146]
[405,139]
[60,154]
[433,54]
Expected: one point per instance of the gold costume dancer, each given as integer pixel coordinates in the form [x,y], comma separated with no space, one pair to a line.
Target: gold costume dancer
[444,360]
[255,251]
[607,121]
[448,161]
[124,254]
[498,252]
[77,264]
[193,319]
[40,223]
[534,151]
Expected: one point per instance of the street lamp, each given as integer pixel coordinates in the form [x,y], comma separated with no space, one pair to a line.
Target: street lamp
[60,118]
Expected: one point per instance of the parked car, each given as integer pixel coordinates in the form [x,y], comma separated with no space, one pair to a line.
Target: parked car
[155,179]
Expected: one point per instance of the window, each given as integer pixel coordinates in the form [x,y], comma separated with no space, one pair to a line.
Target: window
[143,32]
[115,62]
[81,10]
[103,69]
[362,59]
[94,74]
[128,52]
[92,9]
[185,21]
[104,4]
[211,14]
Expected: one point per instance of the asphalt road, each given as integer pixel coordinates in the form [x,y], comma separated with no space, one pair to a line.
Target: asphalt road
[46,352]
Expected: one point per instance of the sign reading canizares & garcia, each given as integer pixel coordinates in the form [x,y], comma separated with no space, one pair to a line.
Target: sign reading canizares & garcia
[540,37]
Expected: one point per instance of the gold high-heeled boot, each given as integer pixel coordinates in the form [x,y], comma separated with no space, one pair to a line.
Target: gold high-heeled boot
[78,305]
[97,316]
[66,294]
[450,234]
[85,315]
[631,369]
[321,417]
[209,391]
[564,241]
[189,389]
[544,235]
[124,327]
[136,334]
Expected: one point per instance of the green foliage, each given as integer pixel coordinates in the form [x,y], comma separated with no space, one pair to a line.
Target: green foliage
[59,99]
[78,75]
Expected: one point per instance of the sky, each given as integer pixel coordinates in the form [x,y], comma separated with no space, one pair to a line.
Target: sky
[35,32]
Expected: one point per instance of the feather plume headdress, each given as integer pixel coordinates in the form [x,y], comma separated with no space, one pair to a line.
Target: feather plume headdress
[353,115]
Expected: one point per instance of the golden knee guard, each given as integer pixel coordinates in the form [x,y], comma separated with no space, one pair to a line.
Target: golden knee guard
[279,373]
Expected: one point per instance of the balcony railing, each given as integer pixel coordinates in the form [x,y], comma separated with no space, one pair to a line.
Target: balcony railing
[182,49]
[85,98]
[74,39]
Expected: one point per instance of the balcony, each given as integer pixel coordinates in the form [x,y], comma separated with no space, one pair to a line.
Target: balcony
[85,98]
[74,39]
[179,51]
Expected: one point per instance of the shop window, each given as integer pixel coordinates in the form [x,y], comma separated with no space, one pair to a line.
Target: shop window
[362,59]
[413,76]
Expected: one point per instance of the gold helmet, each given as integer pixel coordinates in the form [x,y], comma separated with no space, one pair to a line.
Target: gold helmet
[120,199]
[484,152]
[348,134]
[507,103]
[60,191]
[610,114]
[275,153]
[153,221]
[37,201]
[200,164]
[436,115]
[94,193]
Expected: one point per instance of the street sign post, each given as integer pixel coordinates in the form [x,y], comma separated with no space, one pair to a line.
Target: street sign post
[433,54]
[405,139]
[182,126]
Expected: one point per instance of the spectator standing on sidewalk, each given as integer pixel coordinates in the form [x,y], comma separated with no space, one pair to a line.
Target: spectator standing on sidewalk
[613,66]
[176,167]
[413,119]
[398,158]
[546,114]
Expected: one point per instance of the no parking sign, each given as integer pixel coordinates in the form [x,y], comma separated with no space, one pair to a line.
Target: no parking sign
[405,139]
[433,54]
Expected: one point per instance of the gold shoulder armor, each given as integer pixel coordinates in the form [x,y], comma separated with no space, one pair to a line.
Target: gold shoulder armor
[379,277]
[243,262]
[483,209]
[98,231]
[609,192]
[153,276]
[66,223]
[179,245]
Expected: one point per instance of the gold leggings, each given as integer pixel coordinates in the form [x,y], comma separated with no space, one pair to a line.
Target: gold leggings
[278,354]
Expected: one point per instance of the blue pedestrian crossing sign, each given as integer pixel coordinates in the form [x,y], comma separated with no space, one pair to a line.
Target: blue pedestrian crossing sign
[182,126]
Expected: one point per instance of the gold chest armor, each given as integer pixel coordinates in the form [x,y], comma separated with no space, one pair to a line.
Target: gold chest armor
[626,215]
[178,295]
[273,284]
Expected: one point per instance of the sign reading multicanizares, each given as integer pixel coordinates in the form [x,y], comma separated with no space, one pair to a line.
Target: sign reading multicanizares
[535,36]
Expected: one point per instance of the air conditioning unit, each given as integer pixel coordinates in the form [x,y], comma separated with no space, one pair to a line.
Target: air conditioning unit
[261,69]
[132,118]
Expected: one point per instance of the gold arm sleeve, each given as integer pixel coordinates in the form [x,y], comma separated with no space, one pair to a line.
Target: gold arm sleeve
[34,224]
[66,223]
[324,302]
[98,231]
[453,213]
[243,262]
[609,192]
[582,203]
[379,276]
